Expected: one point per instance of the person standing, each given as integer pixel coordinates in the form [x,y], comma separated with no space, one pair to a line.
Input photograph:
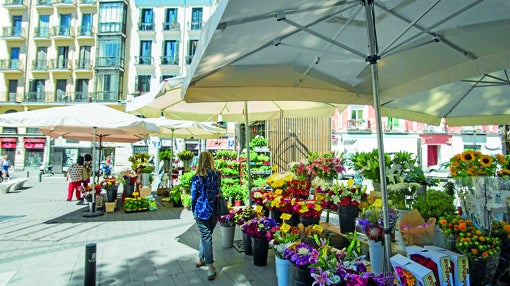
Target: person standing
[5,165]
[87,168]
[75,178]
[205,186]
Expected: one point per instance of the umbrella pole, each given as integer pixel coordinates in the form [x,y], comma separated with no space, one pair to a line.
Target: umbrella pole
[172,160]
[93,212]
[248,161]
[373,59]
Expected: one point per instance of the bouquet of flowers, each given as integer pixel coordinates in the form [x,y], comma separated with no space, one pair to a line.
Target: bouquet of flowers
[325,166]
[308,208]
[258,226]
[227,220]
[282,237]
[370,221]
[87,192]
[128,176]
[302,255]
[348,195]
[244,214]
[185,155]
[262,198]
[283,204]
[279,180]
[139,161]
[474,163]
[109,183]
[298,188]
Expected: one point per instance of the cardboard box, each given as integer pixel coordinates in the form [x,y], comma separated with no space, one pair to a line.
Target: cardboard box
[442,262]
[145,191]
[423,275]
[110,207]
[460,265]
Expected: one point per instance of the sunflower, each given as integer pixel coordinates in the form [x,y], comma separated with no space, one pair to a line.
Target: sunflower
[468,156]
[501,159]
[486,160]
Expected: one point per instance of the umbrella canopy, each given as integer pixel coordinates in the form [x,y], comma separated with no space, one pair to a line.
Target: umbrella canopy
[476,101]
[167,101]
[186,129]
[319,50]
[77,122]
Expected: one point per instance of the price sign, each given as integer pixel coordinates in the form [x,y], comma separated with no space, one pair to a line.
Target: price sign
[285,216]
[258,209]
[285,227]
[318,228]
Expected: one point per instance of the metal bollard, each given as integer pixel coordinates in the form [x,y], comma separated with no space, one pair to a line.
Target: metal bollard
[28,174]
[90,264]
[40,177]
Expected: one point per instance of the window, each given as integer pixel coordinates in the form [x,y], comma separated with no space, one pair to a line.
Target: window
[62,57]
[165,76]
[109,53]
[170,51]
[357,119]
[191,50]
[41,59]
[14,62]
[43,30]
[86,25]
[60,91]
[108,86]
[145,53]
[13,89]
[16,26]
[196,19]
[37,90]
[146,20]
[170,19]
[84,58]
[64,28]
[81,90]
[111,17]
[142,83]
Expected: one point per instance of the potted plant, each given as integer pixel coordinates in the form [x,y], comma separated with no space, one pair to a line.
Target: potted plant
[367,164]
[436,204]
[175,196]
[186,200]
[186,156]
[259,143]
[166,156]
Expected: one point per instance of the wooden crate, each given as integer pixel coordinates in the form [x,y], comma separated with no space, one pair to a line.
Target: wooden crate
[99,201]
[145,192]
[110,207]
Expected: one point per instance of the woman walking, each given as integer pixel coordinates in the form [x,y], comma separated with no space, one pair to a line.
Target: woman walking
[205,186]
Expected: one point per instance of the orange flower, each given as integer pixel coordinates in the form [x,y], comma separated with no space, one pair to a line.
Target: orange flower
[443,222]
[478,232]
[485,254]
[462,226]
[474,251]
[482,238]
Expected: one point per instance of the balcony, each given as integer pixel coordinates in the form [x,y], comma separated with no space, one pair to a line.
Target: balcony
[11,97]
[61,96]
[110,62]
[170,60]
[11,66]
[110,28]
[62,33]
[43,5]
[189,59]
[82,96]
[83,66]
[144,60]
[107,96]
[173,28]
[40,66]
[13,34]
[41,34]
[64,4]
[36,96]
[360,125]
[87,3]
[15,5]
[60,65]
[86,33]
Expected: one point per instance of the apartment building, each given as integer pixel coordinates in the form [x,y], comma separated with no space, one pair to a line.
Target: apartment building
[59,52]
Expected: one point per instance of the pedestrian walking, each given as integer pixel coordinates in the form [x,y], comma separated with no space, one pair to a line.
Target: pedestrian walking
[205,186]
[75,178]
[5,165]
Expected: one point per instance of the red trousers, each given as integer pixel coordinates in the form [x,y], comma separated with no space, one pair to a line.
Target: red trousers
[74,186]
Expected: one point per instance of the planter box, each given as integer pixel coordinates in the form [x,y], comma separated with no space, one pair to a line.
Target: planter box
[110,207]
[145,192]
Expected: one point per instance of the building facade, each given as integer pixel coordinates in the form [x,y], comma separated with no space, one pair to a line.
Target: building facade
[60,52]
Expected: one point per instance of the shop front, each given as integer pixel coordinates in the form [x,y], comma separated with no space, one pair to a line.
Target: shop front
[8,145]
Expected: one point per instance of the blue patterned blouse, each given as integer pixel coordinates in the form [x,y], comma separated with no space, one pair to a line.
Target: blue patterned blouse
[204,190]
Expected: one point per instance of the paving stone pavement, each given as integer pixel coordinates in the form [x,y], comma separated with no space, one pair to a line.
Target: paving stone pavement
[43,239]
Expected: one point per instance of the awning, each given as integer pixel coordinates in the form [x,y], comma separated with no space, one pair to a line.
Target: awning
[8,142]
[34,143]
[435,139]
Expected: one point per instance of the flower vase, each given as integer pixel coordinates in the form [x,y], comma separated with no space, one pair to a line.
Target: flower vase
[275,214]
[481,271]
[283,267]
[302,276]
[227,236]
[306,221]
[376,250]
[248,250]
[128,190]
[260,250]
[294,220]
[111,195]
[347,217]
[145,179]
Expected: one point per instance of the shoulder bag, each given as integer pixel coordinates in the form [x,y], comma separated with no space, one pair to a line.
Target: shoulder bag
[221,205]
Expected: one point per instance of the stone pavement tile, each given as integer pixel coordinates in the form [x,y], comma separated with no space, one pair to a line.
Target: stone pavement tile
[6,276]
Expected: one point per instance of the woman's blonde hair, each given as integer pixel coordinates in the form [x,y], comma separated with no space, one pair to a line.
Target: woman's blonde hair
[205,162]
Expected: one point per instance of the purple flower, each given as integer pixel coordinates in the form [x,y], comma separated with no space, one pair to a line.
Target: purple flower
[321,278]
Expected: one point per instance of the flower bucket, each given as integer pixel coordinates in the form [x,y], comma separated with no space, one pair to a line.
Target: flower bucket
[128,190]
[248,250]
[302,277]
[260,250]
[306,221]
[227,236]
[347,217]
[145,179]
[481,271]
[376,250]
[283,267]
[111,195]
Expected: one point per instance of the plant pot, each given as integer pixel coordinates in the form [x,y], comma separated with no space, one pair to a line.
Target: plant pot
[111,195]
[145,179]
[128,190]
[248,250]
[227,236]
[376,250]
[347,217]
[302,277]
[260,250]
[283,267]
[238,203]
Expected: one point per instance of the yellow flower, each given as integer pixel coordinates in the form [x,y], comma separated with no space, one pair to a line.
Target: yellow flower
[486,160]
[468,156]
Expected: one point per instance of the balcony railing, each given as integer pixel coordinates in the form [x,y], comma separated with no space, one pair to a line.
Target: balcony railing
[11,65]
[62,31]
[174,26]
[143,60]
[11,32]
[196,25]
[113,62]
[40,65]
[63,3]
[83,65]
[42,32]
[88,2]
[36,96]
[189,59]
[82,96]
[170,60]
[14,4]
[107,96]
[358,125]
[60,64]
[43,3]
[11,97]
[85,31]
[113,27]
[147,26]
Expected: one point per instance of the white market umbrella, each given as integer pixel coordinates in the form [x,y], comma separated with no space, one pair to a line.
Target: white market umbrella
[332,51]
[481,100]
[86,122]
[186,129]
